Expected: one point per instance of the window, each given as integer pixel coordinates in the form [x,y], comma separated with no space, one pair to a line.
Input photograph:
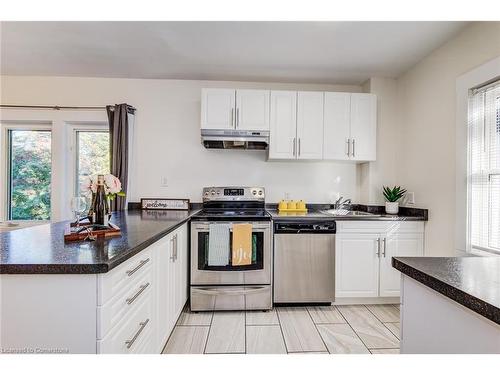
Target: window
[484,167]
[92,154]
[29,174]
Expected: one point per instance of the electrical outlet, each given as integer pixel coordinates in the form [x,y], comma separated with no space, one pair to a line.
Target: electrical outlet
[410,197]
[164,182]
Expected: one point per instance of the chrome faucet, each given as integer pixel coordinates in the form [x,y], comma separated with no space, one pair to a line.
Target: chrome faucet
[339,204]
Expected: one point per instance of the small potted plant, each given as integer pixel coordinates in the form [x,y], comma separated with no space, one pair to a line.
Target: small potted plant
[391,197]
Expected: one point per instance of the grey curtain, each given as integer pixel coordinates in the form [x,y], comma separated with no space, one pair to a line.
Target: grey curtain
[119,147]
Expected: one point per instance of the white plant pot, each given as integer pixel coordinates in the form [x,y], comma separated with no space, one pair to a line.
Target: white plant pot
[392,207]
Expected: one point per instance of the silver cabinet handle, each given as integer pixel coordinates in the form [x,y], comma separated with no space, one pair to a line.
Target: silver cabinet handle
[139,292]
[237,118]
[348,143]
[142,325]
[175,248]
[232,118]
[384,241]
[378,247]
[353,148]
[134,270]
[299,146]
[172,256]
[294,146]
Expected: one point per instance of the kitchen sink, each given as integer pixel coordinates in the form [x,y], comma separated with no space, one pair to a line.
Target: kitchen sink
[348,213]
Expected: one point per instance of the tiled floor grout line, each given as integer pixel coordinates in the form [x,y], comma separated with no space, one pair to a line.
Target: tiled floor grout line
[397,338]
[208,334]
[317,330]
[281,329]
[356,333]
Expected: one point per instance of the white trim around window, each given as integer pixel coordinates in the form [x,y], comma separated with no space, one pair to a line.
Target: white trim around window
[72,131]
[475,78]
[61,123]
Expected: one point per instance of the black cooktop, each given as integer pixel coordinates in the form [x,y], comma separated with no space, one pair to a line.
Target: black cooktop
[232,215]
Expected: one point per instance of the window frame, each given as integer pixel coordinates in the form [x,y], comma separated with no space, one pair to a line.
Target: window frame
[73,129]
[5,128]
[486,138]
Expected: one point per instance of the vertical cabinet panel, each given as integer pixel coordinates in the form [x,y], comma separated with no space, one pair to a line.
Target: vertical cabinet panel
[397,244]
[356,265]
[172,276]
[252,109]
[310,125]
[164,301]
[217,108]
[283,125]
[364,126]
[337,126]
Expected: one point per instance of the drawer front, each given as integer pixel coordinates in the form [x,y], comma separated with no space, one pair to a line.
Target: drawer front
[132,333]
[380,226]
[231,298]
[125,276]
[124,303]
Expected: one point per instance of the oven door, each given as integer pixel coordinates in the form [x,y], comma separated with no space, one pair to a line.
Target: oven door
[259,272]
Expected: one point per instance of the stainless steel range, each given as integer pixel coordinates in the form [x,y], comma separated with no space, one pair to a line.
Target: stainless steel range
[228,286]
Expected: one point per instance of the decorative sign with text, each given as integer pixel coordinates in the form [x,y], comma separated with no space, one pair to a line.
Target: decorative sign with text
[164,204]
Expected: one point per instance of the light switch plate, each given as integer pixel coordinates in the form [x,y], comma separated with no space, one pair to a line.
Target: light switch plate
[164,182]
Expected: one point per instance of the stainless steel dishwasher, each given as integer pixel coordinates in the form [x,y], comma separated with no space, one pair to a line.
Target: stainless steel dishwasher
[304,261]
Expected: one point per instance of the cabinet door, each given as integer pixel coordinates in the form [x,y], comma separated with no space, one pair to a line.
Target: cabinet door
[163,252]
[252,109]
[180,264]
[356,265]
[337,125]
[310,125]
[397,244]
[217,108]
[283,125]
[363,126]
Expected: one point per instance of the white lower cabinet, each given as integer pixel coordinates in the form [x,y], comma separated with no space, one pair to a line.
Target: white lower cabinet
[356,265]
[364,252]
[139,316]
[172,274]
[397,244]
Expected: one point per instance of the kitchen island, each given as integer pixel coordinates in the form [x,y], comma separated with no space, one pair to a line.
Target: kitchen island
[115,295]
[449,305]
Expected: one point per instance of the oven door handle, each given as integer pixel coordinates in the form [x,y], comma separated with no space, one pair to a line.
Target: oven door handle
[231,292]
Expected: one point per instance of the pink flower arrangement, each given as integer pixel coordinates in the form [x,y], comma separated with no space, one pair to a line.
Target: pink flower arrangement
[112,185]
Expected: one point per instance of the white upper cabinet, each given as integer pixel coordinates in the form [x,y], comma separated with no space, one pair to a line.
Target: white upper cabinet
[337,126]
[252,109]
[235,109]
[217,108]
[310,125]
[363,127]
[283,132]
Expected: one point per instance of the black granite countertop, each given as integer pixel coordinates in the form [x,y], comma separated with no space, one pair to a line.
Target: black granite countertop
[377,214]
[474,282]
[41,249]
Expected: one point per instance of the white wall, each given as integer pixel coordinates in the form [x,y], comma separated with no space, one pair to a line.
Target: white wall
[372,176]
[427,133]
[168,138]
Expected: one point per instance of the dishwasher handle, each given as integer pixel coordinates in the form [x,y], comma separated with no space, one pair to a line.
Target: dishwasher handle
[305,227]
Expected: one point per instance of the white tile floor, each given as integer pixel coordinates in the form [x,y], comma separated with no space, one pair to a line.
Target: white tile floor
[330,329]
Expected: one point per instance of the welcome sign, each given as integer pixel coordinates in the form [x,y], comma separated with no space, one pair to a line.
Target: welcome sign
[164,204]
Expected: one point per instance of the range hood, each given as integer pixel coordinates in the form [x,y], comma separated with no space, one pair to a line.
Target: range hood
[235,139]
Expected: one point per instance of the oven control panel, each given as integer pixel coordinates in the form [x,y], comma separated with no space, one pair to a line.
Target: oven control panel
[233,193]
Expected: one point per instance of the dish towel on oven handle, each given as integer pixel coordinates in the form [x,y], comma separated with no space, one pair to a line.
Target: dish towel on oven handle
[218,244]
[242,245]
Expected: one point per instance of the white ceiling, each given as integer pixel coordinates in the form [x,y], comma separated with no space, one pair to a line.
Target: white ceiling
[315,52]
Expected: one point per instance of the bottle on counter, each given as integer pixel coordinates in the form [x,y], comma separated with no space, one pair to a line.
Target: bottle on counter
[100,206]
